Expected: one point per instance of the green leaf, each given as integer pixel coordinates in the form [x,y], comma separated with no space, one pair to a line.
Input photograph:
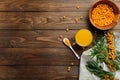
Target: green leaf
[96,69]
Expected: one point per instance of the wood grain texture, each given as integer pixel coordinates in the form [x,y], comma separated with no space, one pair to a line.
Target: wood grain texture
[45,20]
[38,56]
[47,5]
[35,38]
[38,73]
[30,43]
[42,5]
[42,20]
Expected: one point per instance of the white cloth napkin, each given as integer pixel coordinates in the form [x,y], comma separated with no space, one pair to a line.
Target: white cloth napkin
[84,73]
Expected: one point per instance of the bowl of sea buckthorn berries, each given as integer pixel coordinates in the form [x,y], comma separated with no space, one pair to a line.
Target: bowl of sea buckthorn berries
[104,14]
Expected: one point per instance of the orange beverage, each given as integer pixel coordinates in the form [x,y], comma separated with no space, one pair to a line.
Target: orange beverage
[83,37]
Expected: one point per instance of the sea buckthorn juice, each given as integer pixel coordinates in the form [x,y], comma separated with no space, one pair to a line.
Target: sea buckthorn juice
[83,37]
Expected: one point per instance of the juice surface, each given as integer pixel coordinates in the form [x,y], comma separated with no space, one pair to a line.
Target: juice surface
[83,37]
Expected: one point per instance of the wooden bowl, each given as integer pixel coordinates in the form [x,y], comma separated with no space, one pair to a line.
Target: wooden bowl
[115,11]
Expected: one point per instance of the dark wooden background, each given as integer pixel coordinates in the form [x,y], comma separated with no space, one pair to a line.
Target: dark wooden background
[30,43]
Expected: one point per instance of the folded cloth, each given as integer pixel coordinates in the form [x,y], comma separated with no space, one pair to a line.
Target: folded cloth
[84,74]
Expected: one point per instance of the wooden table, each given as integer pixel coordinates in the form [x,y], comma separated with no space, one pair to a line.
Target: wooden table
[30,38]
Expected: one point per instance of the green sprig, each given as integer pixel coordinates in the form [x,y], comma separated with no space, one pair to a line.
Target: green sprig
[101,55]
[97,70]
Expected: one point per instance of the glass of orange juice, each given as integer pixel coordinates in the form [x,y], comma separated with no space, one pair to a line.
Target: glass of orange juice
[83,37]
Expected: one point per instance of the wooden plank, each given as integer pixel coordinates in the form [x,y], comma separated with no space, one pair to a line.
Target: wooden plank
[34,38]
[38,56]
[47,5]
[11,20]
[38,73]
[38,38]
[61,6]
[45,20]
[57,6]
[42,5]
[55,20]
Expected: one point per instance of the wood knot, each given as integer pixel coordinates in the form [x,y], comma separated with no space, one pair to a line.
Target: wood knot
[41,20]
[13,43]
